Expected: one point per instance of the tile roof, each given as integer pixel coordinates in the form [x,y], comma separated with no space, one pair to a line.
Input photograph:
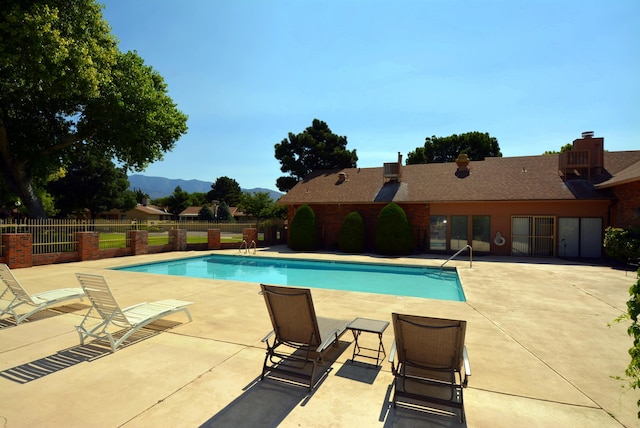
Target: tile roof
[627,175]
[494,179]
[191,212]
[151,209]
[195,211]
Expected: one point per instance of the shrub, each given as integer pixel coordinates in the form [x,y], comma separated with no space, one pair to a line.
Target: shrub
[303,233]
[633,313]
[394,235]
[351,238]
[206,214]
[622,244]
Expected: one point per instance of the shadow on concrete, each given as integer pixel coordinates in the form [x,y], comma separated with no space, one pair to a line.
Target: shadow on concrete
[359,371]
[264,403]
[37,369]
[406,417]
[267,402]
[45,314]
[400,417]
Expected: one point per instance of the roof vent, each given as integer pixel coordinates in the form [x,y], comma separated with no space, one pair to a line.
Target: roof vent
[342,177]
[463,165]
[587,134]
[463,162]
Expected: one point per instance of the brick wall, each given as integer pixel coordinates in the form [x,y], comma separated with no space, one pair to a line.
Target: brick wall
[213,239]
[88,245]
[250,235]
[139,241]
[627,208]
[178,239]
[18,247]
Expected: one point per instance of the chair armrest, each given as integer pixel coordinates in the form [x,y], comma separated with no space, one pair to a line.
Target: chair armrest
[264,339]
[392,358]
[392,353]
[467,366]
[333,337]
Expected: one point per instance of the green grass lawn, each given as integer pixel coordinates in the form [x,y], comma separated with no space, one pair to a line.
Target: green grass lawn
[118,240]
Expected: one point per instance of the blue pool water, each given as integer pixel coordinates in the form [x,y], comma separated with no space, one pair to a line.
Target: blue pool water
[411,281]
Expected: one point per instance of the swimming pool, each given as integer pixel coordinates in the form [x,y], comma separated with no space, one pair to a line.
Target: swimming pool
[414,281]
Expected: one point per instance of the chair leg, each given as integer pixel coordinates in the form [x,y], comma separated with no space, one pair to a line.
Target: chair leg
[264,365]
[313,373]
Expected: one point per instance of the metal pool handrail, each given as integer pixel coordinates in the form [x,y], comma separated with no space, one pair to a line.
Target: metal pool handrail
[459,251]
[247,247]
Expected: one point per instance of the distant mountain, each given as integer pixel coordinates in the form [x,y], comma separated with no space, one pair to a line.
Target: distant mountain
[158,187]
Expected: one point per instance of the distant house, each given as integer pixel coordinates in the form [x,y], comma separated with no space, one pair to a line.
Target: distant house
[142,212]
[149,212]
[548,205]
[191,214]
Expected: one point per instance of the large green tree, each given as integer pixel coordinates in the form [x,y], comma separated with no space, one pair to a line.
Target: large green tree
[313,149]
[226,190]
[94,183]
[261,206]
[477,145]
[64,83]
[179,201]
[566,148]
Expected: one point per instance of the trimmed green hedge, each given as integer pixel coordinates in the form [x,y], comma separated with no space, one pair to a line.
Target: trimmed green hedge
[352,233]
[394,234]
[303,232]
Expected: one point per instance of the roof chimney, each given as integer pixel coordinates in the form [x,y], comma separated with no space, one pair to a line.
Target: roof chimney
[587,134]
[393,170]
[463,165]
[463,162]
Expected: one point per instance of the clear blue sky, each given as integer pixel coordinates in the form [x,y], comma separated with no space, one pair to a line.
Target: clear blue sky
[385,74]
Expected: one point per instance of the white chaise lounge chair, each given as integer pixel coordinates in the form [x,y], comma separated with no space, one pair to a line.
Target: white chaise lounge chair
[38,302]
[132,318]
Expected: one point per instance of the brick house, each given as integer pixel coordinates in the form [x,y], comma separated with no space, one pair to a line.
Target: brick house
[547,205]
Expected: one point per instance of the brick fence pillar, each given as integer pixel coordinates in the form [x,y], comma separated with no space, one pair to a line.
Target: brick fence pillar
[213,239]
[88,245]
[18,249]
[250,234]
[139,241]
[178,238]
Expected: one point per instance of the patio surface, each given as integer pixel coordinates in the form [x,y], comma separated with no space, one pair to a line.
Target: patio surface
[540,335]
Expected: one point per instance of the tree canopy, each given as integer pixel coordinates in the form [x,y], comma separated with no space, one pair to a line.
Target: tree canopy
[92,182]
[261,206]
[178,201]
[566,148]
[476,145]
[64,83]
[313,149]
[206,214]
[223,213]
[225,190]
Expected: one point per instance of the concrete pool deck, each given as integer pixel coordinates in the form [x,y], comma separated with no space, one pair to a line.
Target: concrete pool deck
[540,334]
